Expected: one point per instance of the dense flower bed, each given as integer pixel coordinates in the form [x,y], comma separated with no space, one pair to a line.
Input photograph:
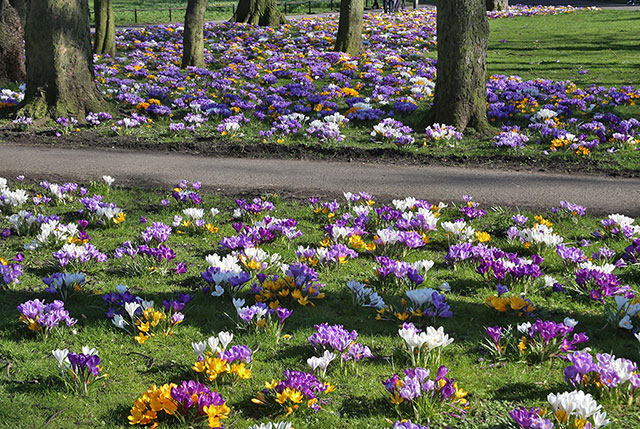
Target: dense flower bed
[258,273]
[273,85]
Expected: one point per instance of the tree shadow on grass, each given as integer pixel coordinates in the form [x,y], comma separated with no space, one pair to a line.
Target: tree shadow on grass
[517,391]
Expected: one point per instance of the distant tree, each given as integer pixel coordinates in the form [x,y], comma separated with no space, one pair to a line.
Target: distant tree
[60,79]
[104,38]
[496,5]
[193,36]
[264,13]
[349,37]
[11,44]
[460,92]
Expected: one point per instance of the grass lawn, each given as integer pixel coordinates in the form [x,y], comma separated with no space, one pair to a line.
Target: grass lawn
[156,12]
[604,44]
[32,394]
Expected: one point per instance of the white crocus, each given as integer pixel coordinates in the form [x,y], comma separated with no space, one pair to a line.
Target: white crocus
[225,338]
[119,321]
[146,304]
[86,350]
[218,291]
[131,308]
[625,323]
[61,356]
[213,343]
[436,338]
[571,323]
[523,328]
[419,297]
[108,180]
[270,425]
[199,348]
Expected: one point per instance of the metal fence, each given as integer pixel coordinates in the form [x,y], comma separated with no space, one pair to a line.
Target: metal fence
[286,7]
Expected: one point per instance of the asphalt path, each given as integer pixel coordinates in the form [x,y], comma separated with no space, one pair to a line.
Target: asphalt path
[301,178]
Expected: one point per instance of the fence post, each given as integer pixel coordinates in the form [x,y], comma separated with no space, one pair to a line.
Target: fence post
[135,15]
[285,8]
[309,7]
[366,4]
[331,6]
[170,17]
[233,9]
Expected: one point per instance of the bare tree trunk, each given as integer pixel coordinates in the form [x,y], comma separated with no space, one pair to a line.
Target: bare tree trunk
[264,13]
[349,37]
[496,5]
[104,39]
[60,80]
[460,92]
[11,45]
[193,36]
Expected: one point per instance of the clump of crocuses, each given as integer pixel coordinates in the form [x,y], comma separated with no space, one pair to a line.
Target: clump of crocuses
[533,342]
[605,375]
[222,363]
[427,398]
[78,370]
[11,270]
[296,389]
[45,318]
[335,338]
[188,402]
[64,284]
[145,320]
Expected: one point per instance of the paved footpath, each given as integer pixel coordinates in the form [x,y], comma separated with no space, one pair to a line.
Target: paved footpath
[524,189]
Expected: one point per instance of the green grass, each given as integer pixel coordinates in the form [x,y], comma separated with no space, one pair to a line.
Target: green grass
[31,394]
[557,47]
[157,12]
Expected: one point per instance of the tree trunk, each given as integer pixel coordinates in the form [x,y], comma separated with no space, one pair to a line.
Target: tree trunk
[11,45]
[264,13]
[460,92]
[349,38]
[60,80]
[104,39]
[21,7]
[496,5]
[193,36]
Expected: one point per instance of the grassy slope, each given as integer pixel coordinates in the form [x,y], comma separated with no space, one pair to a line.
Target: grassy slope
[30,393]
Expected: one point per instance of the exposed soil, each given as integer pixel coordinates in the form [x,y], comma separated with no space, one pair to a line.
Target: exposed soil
[388,155]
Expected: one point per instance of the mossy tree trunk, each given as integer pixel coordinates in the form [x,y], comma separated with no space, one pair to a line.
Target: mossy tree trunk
[264,13]
[60,79]
[193,35]
[495,5]
[460,92]
[11,45]
[104,38]
[349,37]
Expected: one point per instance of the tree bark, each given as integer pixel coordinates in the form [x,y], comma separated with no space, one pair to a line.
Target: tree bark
[21,7]
[11,45]
[349,37]
[60,79]
[104,39]
[496,5]
[264,13]
[460,92]
[193,35]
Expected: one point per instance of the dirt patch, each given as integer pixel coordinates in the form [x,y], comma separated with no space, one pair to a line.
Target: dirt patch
[387,155]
